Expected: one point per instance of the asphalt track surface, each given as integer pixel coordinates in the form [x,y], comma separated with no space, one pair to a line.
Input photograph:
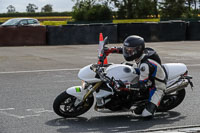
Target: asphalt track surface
[31,78]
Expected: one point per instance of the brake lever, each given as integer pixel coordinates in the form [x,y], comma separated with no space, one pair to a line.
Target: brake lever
[191,84]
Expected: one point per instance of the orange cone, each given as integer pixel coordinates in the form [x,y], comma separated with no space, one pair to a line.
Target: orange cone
[100,37]
[101,42]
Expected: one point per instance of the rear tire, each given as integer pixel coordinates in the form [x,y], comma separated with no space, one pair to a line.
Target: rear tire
[64,105]
[171,101]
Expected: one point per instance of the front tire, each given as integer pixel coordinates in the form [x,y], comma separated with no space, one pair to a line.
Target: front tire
[64,105]
[171,101]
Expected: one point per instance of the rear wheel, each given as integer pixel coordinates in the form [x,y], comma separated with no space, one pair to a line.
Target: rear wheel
[64,105]
[171,101]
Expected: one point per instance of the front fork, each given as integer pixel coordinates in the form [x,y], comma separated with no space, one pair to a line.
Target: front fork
[94,88]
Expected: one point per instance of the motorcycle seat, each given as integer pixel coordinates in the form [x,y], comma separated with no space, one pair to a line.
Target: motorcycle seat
[174,70]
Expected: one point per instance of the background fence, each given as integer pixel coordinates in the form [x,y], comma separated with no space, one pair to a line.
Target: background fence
[24,35]
[89,33]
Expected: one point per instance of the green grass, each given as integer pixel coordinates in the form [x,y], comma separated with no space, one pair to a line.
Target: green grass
[47,20]
[57,23]
[53,23]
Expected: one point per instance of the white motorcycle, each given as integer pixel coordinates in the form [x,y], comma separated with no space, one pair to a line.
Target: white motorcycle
[96,79]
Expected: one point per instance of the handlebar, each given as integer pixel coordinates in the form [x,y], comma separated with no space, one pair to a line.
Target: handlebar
[102,75]
[100,72]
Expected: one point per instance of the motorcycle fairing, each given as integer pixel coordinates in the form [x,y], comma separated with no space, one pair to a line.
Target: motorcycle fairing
[101,97]
[76,91]
[87,75]
[175,69]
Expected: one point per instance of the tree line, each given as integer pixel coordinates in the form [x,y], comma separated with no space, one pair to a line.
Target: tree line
[31,8]
[164,8]
[134,9]
[91,10]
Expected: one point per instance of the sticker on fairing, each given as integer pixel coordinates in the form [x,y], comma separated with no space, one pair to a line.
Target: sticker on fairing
[78,89]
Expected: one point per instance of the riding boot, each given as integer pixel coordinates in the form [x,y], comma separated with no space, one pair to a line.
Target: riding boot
[138,110]
[149,110]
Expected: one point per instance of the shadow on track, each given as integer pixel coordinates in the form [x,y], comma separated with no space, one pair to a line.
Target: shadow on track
[113,123]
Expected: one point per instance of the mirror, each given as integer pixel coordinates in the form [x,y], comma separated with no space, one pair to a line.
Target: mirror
[106,40]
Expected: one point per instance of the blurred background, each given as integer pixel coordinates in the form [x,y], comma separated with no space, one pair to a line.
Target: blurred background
[61,12]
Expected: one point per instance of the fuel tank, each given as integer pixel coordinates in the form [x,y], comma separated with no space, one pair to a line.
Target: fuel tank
[122,72]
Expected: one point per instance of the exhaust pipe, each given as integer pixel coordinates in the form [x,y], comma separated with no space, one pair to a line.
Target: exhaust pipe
[177,86]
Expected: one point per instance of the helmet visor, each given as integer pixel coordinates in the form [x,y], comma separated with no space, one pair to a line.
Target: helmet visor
[129,51]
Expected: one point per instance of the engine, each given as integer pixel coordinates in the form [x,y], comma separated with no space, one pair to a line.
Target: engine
[117,101]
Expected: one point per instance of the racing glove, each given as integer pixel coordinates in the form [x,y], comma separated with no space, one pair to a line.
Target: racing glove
[117,84]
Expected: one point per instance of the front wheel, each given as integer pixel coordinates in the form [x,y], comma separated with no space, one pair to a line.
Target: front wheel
[171,101]
[64,105]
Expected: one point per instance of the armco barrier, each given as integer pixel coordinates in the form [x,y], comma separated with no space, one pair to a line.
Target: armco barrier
[193,31]
[172,31]
[141,29]
[162,31]
[80,34]
[89,34]
[22,36]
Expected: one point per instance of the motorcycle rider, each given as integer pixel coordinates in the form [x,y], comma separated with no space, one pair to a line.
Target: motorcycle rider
[151,74]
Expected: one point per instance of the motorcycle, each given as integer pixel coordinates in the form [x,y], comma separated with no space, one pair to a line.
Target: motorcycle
[96,79]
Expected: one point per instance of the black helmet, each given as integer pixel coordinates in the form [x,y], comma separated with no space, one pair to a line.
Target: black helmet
[133,47]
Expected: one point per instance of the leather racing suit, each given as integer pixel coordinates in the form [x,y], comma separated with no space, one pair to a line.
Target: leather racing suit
[152,76]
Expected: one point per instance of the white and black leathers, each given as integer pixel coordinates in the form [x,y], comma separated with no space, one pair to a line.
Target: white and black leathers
[151,72]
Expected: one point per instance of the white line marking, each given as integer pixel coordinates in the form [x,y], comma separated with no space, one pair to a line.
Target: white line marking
[165,129]
[18,116]
[39,110]
[57,70]
[194,65]
[7,109]
[35,71]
